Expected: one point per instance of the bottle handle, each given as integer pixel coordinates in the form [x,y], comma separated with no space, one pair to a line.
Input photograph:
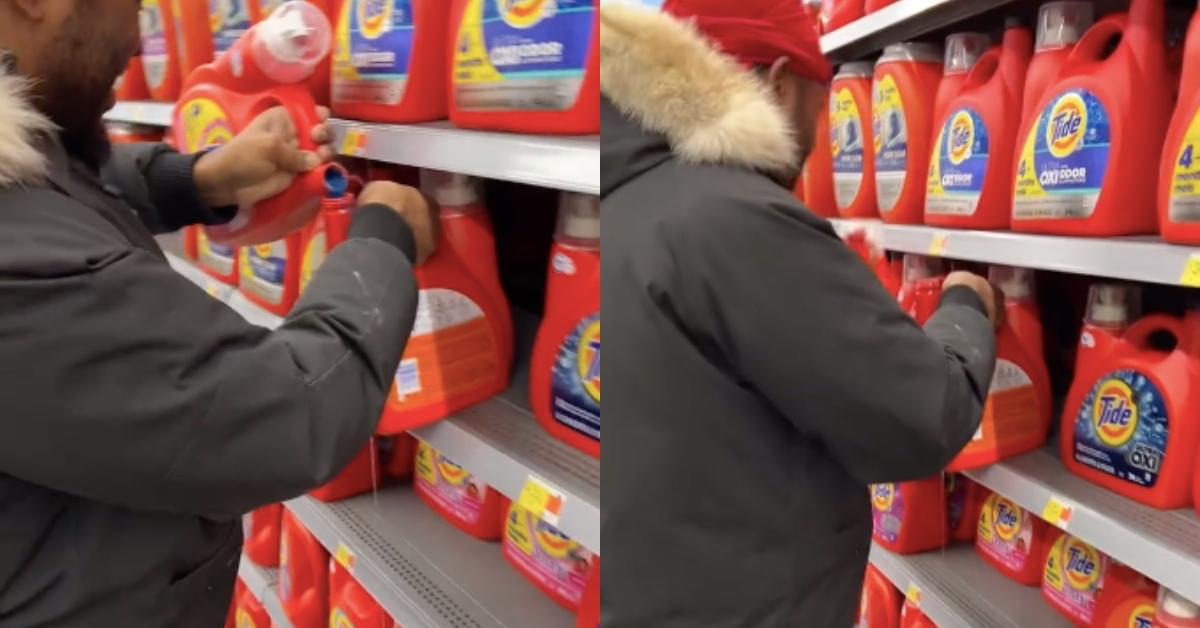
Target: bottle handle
[1139,332]
[984,69]
[1090,47]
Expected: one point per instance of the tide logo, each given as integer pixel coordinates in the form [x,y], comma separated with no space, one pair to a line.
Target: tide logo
[453,473]
[262,251]
[222,12]
[374,17]
[588,367]
[524,13]
[1142,616]
[554,543]
[1006,519]
[338,619]
[960,138]
[883,496]
[1066,125]
[1114,413]
[1081,564]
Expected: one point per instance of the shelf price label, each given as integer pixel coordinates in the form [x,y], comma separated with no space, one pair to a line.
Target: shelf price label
[344,557]
[937,244]
[542,500]
[1191,272]
[354,143]
[1057,513]
[913,594]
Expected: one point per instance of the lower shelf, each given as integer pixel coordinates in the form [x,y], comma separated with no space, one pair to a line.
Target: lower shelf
[263,583]
[420,569]
[956,589]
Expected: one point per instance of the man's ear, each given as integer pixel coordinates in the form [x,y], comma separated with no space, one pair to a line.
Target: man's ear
[776,77]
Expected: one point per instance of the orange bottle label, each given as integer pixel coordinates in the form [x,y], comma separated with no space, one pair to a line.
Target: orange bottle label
[1063,159]
[1010,413]
[1184,203]
[1122,429]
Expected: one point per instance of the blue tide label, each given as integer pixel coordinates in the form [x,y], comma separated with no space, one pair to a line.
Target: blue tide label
[958,170]
[374,49]
[1064,158]
[229,20]
[263,269]
[846,146]
[522,54]
[1122,428]
[891,141]
[575,387]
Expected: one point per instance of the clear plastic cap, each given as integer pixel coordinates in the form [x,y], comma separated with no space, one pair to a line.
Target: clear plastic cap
[963,50]
[910,51]
[579,219]
[1112,304]
[290,43]
[1016,283]
[1176,606]
[917,267]
[451,190]
[855,69]
[1061,24]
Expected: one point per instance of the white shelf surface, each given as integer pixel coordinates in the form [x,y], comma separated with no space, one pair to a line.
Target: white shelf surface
[262,582]
[957,589]
[899,21]
[146,113]
[564,163]
[1132,258]
[423,571]
[1163,545]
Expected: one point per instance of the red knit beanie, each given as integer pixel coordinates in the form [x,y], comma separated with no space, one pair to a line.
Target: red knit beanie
[757,32]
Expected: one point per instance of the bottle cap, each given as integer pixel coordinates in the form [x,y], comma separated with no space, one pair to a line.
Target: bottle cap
[963,50]
[1177,606]
[579,218]
[917,267]
[855,69]
[1111,305]
[1016,283]
[910,51]
[290,43]
[1061,24]
[450,189]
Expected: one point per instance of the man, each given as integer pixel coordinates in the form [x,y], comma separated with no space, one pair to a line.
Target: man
[140,418]
[758,376]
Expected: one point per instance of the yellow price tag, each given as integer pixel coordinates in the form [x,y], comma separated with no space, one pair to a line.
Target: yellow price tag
[1191,272]
[937,245]
[212,289]
[541,500]
[1057,513]
[913,594]
[354,143]
[344,557]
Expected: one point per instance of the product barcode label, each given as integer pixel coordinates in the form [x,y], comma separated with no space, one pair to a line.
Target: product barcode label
[408,378]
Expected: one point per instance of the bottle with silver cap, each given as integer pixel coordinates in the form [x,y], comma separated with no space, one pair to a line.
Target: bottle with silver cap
[1110,309]
[852,140]
[1060,25]
[962,51]
[902,92]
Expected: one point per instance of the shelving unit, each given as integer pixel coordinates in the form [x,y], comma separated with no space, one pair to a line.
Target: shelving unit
[263,583]
[1163,545]
[956,589]
[421,570]
[899,21]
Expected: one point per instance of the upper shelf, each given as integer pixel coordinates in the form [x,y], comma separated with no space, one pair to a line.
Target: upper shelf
[899,21]
[1137,258]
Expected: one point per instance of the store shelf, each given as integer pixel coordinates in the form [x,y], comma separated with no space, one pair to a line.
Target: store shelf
[141,112]
[899,21]
[1163,545]
[262,583]
[564,163]
[423,571]
[956,589]
[1133,258]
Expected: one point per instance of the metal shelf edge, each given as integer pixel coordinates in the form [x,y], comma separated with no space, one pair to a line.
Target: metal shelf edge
[146,113]
[900,21]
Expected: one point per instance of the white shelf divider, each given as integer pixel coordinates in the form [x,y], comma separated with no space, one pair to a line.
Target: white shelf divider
[263,583]
[147,113]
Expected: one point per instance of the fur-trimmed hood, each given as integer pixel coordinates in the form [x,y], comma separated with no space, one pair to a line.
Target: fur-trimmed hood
[671,80]
[22,162]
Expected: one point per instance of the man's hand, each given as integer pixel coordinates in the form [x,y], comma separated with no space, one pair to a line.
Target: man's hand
[419,212]
[261,161]
[992,297]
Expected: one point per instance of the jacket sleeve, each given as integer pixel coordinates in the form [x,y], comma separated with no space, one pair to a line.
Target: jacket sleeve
[801,320]
[157,183]
[135,388]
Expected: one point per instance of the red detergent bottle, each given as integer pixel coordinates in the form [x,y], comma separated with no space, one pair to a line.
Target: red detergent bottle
[1074,575]
[838,13]
[120,133]
[589,610]
[264,69]
[1017,414]
[970,172]
[1060,25]
[303,575]
[851,141]
[871,6]
[1131,424]
[501,77]
[390,60]
[359,476]
[1110,308]
[1175,611]
[549,559]
[396,456]
[1179,176]
[921,286]
[319,81]
[1126,600]
[350,606]
[460,350]
[906,78]
[1089,160]
[131,85]
[160,52]
[912,617]
[910,517]
[564,378]
[881,601]
[330,228]
[964,502]
[249,612]
[816,178]
[193,34]
[261,530]
[1013,540]
[962,52]
[459,497]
